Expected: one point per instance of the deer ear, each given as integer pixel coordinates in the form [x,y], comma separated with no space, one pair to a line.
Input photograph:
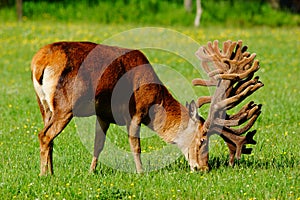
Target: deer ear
[193,111]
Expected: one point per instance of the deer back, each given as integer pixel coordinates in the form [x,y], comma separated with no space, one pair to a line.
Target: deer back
[114,83]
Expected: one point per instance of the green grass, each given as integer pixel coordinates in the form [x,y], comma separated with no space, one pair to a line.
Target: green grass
[155,12]
[270,172]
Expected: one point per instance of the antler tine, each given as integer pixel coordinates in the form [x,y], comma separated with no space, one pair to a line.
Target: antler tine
[198,81]
[238,54]
[232,74]
[205,54]
[216,48]
[246,53]
[229,49]
[247,109]
[237,141]
[211,52]
[242,116]
[200,53]
[239,76]
[215,73]
[246,60]
[232,150]
[205,66]
[246,84]
[226,45]
[231,102]
[242,84]
[247,127]
[203,100]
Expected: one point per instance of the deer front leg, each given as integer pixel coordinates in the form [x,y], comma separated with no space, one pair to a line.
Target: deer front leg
[134,140]
[100,135]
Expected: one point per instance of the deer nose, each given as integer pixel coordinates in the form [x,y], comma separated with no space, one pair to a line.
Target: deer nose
[195,167]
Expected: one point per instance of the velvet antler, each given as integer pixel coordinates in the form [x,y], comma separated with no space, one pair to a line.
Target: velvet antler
[231,71]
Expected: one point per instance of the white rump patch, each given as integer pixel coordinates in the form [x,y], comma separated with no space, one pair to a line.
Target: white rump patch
[46,91]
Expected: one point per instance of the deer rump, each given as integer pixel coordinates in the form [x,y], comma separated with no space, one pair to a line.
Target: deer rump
[110,82]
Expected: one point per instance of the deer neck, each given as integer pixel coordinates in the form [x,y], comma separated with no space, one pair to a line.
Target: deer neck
[171,121]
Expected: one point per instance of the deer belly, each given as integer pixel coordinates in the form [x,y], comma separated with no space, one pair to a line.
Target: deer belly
[118,115]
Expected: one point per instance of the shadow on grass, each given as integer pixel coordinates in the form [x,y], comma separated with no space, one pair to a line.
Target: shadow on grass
[217,163]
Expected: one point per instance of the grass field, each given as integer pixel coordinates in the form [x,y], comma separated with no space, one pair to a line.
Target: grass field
[270,172]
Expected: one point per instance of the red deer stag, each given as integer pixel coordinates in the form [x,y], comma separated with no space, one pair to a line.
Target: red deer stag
[118,86]
[231,71]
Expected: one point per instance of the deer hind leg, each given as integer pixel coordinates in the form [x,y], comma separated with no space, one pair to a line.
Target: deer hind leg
[46,136]
[100,135]
[134,141]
